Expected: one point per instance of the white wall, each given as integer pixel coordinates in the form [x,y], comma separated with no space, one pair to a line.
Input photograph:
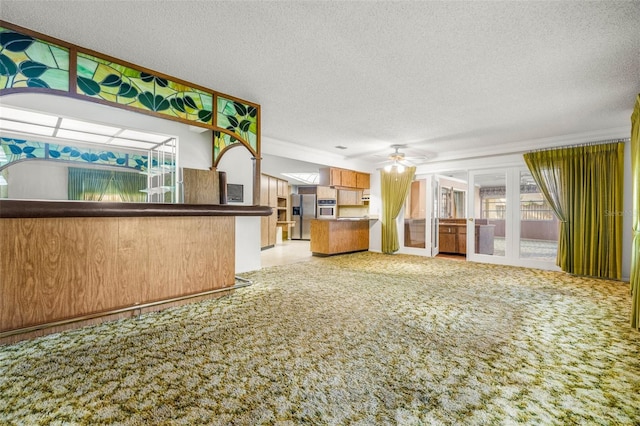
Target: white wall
[247,243]
[37,180]
[375,210]
[237,163]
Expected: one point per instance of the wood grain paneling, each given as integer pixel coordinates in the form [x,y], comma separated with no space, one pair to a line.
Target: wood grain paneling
[59,268]
[52,261]
[363,180]
[339,236]
[200,186]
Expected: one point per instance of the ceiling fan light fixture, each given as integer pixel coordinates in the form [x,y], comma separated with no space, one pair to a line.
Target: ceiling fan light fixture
[396,167]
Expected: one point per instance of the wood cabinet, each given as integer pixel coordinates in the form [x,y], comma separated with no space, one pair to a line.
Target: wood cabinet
[347,197]
[274,193]
[453,237]
[200,186]
[283,188]
[343,178]
[348,179]
[461,239]
[338,236]
[335,176]
[326,192]
[363,180]
[448,238]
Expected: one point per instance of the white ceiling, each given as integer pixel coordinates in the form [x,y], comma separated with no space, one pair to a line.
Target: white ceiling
[456,79]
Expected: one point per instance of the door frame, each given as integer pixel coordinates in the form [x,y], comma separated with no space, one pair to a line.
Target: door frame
[508,226]
[427,250]
[512,222]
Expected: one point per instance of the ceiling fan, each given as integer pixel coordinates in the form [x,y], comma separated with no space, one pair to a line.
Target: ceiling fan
[398,160]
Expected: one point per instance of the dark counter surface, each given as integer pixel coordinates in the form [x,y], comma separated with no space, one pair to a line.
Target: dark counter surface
[42,209]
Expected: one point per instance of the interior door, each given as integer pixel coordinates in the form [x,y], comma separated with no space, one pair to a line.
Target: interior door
[489,225]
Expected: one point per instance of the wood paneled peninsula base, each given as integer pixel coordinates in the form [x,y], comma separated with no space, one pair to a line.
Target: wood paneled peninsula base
[65,263]
[336,236]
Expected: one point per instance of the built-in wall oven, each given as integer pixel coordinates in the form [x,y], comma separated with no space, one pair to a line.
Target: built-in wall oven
[327,208]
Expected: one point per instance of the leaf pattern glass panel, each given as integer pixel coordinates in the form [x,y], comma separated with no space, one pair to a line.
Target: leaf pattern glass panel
[20,149]
[239,118]
[221,140]
[119,84]
[28,62]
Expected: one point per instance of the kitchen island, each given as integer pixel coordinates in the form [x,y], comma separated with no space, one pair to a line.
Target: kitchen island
[337,236]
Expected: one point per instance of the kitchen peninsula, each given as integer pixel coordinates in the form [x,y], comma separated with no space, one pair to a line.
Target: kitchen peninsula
[336,236]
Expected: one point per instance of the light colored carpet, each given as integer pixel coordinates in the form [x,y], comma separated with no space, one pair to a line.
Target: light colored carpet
[363,339]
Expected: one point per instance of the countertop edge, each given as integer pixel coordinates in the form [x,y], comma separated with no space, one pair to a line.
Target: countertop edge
[14,209]
[362,219]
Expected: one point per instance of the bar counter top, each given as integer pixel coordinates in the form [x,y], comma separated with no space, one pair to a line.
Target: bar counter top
[50,209]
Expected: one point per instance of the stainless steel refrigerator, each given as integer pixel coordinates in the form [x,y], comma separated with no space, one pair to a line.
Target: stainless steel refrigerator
[303,209]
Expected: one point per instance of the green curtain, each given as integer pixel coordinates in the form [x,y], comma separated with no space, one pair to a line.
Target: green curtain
[395,187]
[128,186]
[87,184]
[93,184]
[584,187]
[635,250]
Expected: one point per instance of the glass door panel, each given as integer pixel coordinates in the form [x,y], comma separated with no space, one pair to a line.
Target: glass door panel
[538,224]
[489,207]
[435,197]
[415,214]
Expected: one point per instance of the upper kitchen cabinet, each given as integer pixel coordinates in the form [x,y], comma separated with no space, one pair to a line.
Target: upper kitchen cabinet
[283,188]
[343,178]
[348,197]
[363,180]
[348,179]
[326,192]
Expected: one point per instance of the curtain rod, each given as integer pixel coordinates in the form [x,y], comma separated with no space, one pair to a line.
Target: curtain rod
[584,144]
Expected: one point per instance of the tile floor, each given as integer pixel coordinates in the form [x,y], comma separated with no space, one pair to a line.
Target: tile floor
[290,251]
[293,251]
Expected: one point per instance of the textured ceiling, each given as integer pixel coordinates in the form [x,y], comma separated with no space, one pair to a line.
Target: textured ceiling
[456,79]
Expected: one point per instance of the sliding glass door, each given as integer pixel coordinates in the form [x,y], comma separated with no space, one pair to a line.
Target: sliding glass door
[510,223]
[539,226]
[488,228]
